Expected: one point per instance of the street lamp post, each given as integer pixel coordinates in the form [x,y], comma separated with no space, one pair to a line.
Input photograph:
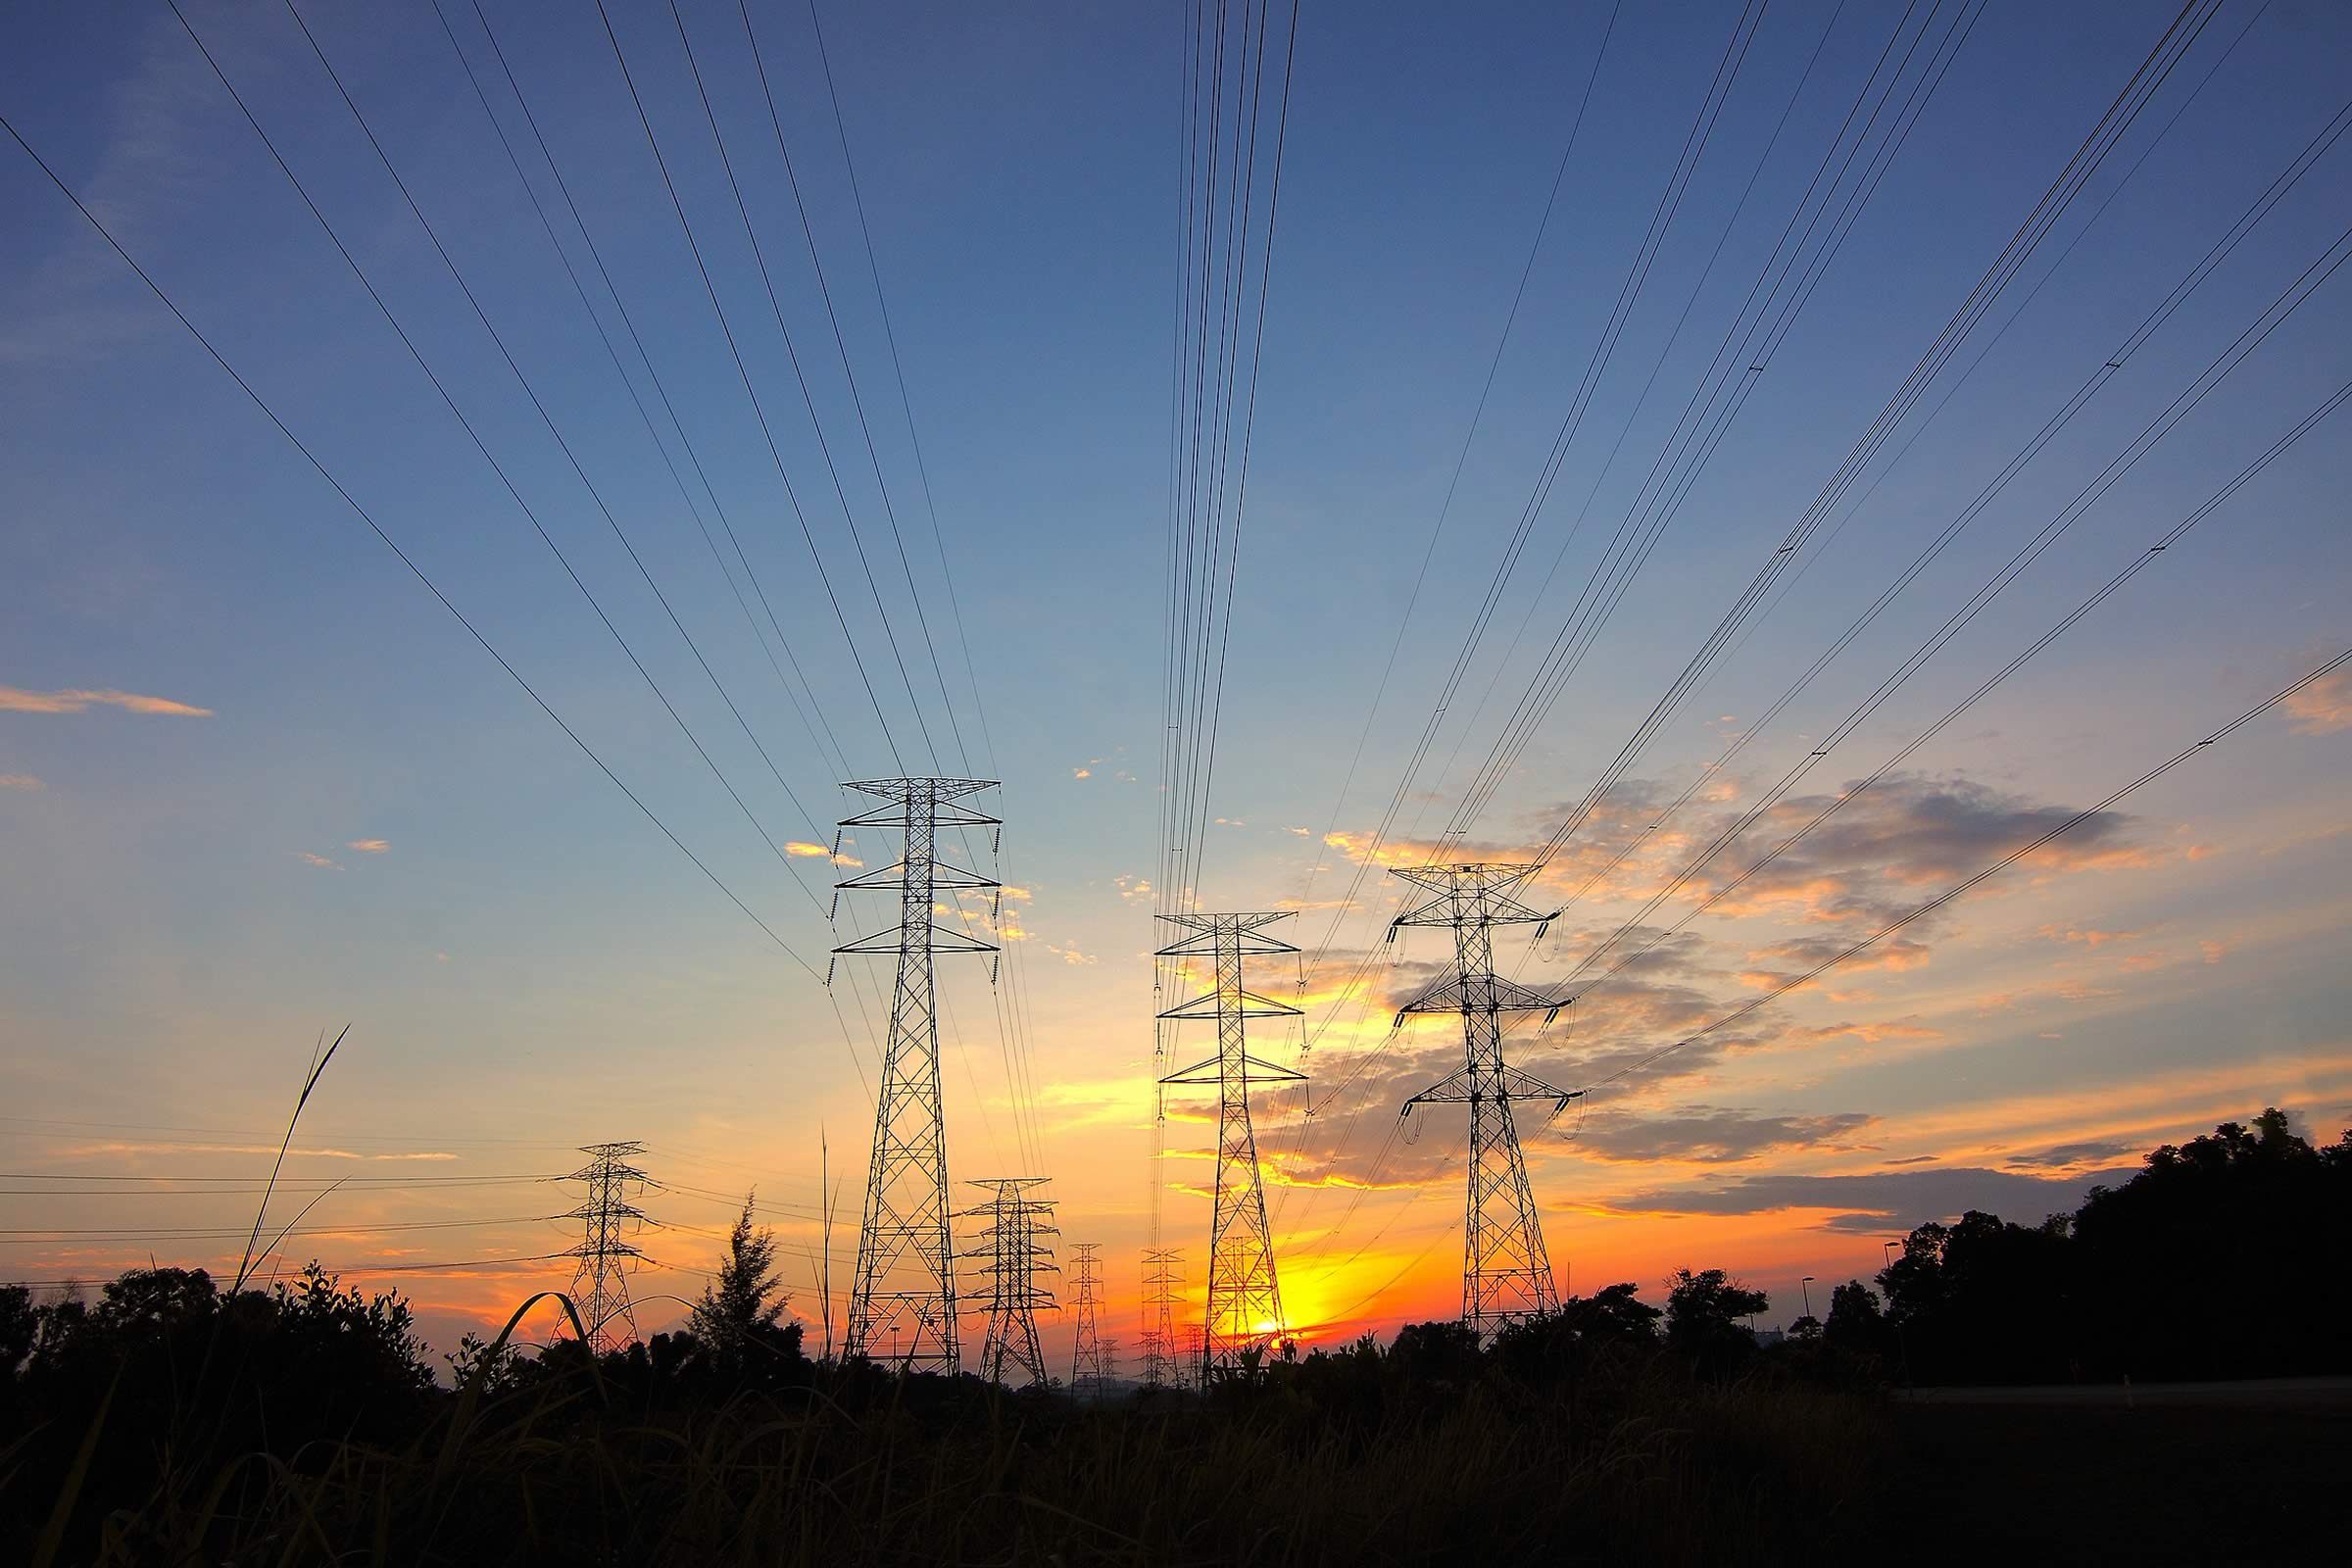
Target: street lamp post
[1806,1285]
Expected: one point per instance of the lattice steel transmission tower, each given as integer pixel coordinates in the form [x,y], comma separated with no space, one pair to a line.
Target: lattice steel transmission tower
[599,1287]
[1164,1359]
[905,1288]
[1016,1257]
[1505,1272]
[1245,1300]
[1090,1357]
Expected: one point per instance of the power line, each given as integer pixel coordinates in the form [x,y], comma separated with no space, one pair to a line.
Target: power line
[743,371]
[1994,869]
[547,419]
[2142,559]
[1695,144]
[800,375]
[1668,206]
[849,373]
[1461,459]
[2136,93]
[405,560]
[834,760]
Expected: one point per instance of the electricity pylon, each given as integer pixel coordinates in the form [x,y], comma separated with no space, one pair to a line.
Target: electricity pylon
[1245,1300]
[1163,1272]
[599,1287]
[1089,1371]
[906,1282]
[1506,1273]
[1016,1257]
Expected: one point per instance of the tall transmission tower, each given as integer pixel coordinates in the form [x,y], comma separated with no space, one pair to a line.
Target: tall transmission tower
[1090,1373]
[599,1287]
[904,1289]
[1245,1301]
[1164,1362]
[1505,1272]
[1016,1257]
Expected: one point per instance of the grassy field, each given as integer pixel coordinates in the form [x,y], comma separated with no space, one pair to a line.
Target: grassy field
[1643,1464]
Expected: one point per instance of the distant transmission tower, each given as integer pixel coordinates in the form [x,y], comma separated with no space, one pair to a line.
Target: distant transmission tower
[905,1291]
[1506,1273]
[1244,1303]
[1164,1359]
[599,1287]
[1090,1372]
[1016,1257]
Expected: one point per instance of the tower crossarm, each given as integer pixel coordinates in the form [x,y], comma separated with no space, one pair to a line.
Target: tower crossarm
[1240,934]
[1239,1004]
[942,940]
[1256,1070]
[1470,1086]
[943,875]
[1482,993]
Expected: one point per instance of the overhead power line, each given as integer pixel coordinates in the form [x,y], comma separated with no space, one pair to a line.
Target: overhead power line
[404,558]
[1958,889]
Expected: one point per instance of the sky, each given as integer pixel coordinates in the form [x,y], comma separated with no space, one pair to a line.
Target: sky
[257,782]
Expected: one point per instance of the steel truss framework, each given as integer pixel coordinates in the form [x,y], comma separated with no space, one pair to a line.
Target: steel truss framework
[1015,1256]
[904,1289]
[1163,1276]
[1244,1300]
[599,1287]
[1091,1362]
[1506,1274]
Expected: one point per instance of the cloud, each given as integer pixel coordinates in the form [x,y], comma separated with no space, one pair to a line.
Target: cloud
[1082,772]
[1710,1135]
[2324,707]
[2066,1156]
[319,860]
[1870,1034]
[371,845]
[2088,938]
[175,1146]
[17,699]
[20,781]
[800,849]
[156,159]
[1896,1199]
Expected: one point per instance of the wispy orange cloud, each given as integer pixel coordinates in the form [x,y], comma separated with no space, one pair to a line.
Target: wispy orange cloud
[2324,707]
[17,699]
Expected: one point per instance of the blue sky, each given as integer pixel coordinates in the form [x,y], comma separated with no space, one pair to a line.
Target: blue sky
[526,959]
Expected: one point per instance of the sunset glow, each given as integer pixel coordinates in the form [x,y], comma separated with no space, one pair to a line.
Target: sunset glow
[257,781]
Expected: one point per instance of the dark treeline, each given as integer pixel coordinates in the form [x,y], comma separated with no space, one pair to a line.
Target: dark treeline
[169,1420]
[2225,1258]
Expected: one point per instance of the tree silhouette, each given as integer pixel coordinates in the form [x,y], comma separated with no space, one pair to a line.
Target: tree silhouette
[1702,1318]
[1855,1323]
[739,1309]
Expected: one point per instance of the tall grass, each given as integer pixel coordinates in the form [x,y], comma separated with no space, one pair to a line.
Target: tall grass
[1648,1466]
